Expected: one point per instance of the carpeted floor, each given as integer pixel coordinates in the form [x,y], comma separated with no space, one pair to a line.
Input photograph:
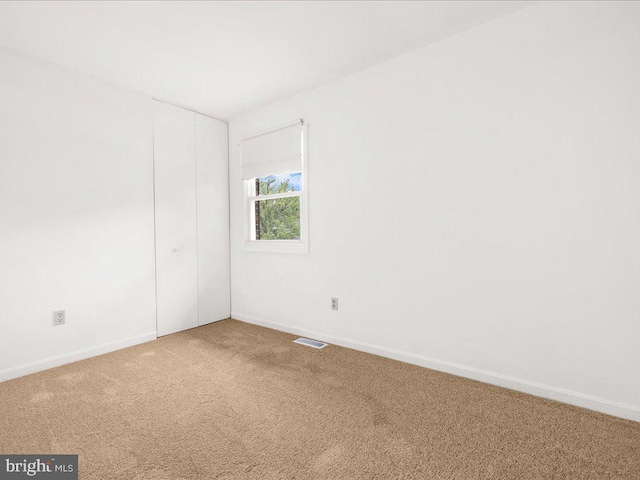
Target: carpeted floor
[236,401]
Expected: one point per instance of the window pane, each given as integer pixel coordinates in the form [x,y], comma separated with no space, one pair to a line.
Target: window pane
[287,182]
[278,219]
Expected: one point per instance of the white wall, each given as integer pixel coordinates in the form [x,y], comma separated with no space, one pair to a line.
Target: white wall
[76,215]
[475,207]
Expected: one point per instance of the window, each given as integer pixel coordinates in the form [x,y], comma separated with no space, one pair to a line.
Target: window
[274,175]
[276,207]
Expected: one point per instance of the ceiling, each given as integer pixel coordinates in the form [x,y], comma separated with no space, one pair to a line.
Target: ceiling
[225,58]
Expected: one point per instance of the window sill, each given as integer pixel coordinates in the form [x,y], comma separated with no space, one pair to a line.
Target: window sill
[276,246]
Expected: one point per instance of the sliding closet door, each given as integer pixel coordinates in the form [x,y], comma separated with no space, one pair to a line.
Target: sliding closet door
[214,297]
[176,223]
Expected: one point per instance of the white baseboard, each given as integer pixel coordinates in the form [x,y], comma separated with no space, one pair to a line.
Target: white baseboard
[578,399]
[51,362]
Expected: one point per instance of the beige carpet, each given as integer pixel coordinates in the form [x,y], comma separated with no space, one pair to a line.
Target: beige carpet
[236,401]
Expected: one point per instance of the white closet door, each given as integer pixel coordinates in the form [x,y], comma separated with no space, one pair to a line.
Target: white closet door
[214,297]
[176,224]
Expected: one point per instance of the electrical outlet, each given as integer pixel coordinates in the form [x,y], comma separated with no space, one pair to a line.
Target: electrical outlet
[334,304]
[58,318]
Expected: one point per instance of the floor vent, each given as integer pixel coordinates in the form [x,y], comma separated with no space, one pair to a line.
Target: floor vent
[310,343]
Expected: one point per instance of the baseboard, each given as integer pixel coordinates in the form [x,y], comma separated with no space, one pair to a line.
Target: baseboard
[51,362]
[629,412]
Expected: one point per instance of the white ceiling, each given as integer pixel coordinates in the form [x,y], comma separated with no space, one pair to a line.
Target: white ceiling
[224,58]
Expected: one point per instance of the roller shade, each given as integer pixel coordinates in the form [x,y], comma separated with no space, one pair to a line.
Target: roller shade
[273,152]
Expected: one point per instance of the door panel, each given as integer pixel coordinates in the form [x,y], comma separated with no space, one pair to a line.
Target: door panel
[212,165]
[176,223]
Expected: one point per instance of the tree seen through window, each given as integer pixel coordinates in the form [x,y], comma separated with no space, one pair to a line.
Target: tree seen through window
[278,218]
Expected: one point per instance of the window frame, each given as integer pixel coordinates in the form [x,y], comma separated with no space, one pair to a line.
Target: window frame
[300,246]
